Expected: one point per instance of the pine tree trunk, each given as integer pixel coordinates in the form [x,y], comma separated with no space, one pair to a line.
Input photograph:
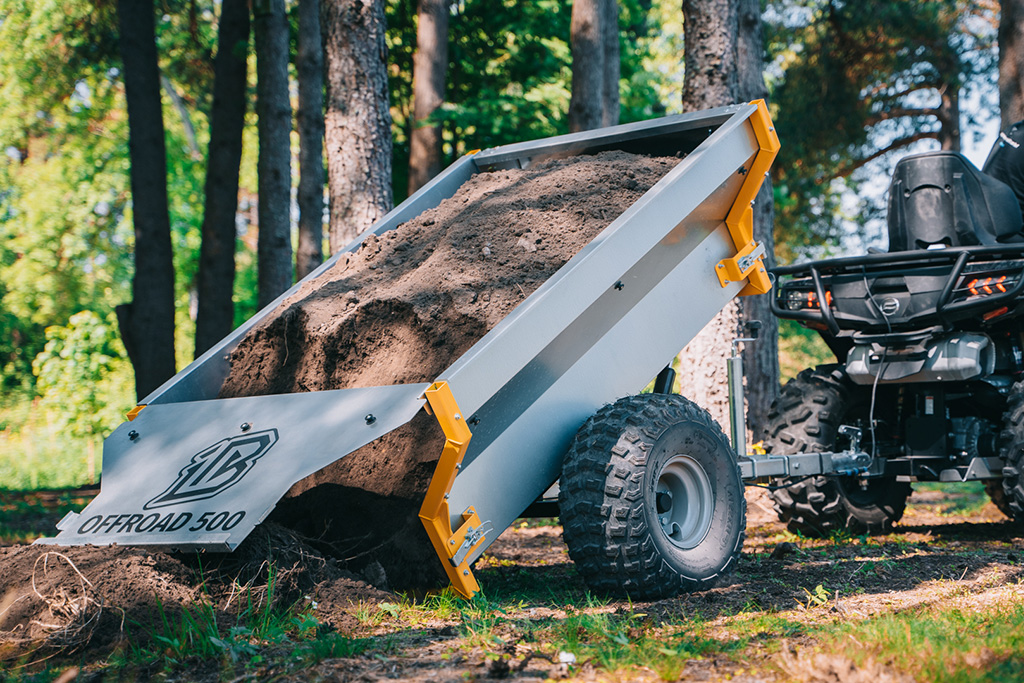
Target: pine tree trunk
[430,66]
[587,42]
[710,80]
[949,117]
[611,66]
[147,323]
[216,277]
[358,125]
[760,358]
[1011,62]
[274,247]
[309,66]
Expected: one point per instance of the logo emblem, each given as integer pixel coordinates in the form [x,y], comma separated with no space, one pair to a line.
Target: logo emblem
[890,306]
[215,469]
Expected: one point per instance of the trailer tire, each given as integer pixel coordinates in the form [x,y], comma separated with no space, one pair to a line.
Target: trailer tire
[806,418]
[625,479]
[1011,450]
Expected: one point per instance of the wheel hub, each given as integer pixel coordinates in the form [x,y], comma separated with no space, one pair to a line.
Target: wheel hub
[685,501]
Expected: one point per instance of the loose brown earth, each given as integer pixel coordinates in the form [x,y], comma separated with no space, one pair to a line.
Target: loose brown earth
[400,310]
[937,557]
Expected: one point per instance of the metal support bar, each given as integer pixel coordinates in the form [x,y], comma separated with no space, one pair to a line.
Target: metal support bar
[453,547]
[805,464]
[665,381]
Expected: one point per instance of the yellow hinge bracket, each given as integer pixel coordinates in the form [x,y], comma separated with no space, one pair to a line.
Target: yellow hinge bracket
[134,412]
[748,263]
[452,547]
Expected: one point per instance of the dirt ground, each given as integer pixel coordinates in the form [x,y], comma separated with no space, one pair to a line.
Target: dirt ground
[952,550]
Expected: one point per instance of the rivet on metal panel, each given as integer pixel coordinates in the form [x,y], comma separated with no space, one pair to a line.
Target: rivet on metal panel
[245,426]
[370,419]
[132,435]
[619,286]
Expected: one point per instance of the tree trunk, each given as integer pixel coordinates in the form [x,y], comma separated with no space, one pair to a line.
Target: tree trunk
[760,358]
[594,38]
[147,323]
[587,43]
[358,126]
[309,66]
[430,66]
[710,80]
[611,63]
[1011,62]
[215,282]
[723,57]
[949,117]
[274,246]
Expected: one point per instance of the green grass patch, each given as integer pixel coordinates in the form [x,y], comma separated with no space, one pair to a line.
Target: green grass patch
[615,642]
[941,646]
[961,498]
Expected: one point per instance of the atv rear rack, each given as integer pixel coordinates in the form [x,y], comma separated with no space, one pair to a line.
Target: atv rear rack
[946,273]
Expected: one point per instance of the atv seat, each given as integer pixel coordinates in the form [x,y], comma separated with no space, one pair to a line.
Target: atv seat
[940,199]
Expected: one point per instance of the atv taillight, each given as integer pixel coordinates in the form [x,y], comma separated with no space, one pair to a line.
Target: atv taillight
[798,300]
[987,285]
[972,286]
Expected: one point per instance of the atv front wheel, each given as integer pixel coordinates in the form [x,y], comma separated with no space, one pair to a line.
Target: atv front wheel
[805,419]
[651,499]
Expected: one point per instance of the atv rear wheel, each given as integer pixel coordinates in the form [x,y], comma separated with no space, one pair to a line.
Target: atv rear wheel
[806,418]
[651,499]
[1011,450]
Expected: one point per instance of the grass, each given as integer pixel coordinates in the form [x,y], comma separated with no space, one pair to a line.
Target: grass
[942,646]
[962,498]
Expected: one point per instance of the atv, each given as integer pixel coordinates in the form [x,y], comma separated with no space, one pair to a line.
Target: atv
[929,339]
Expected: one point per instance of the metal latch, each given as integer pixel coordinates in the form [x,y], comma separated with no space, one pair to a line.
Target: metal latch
[473,538]
[740,266]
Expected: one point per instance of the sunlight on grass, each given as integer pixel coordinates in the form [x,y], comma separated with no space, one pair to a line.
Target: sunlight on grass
[953,646]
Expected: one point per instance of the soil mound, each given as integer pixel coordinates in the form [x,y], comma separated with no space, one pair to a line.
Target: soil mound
[401,309]
[89,598]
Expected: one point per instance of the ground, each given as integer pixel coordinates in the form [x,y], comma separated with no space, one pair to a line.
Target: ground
[939,599]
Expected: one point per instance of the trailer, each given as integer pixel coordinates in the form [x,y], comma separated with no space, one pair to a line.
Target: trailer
[651,490]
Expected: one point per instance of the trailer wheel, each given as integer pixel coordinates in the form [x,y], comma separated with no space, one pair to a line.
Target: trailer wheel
[806,418]
[651,499]
[1011,450]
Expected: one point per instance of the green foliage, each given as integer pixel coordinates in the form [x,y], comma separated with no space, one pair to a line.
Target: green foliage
[83,375]
[509,74]
[853,81]
[799,348]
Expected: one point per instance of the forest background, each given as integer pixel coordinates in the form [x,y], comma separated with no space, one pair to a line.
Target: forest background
[852,86]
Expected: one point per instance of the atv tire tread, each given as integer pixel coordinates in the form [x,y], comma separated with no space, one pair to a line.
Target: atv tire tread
[806,418]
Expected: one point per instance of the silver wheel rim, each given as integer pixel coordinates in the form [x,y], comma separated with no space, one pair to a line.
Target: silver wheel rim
[685,502]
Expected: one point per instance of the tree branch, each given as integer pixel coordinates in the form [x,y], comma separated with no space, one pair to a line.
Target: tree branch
[898,143]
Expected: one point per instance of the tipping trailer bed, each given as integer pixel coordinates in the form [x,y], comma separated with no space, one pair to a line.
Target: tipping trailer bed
[191,471]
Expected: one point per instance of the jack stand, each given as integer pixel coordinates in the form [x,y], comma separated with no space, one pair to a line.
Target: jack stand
[737,413]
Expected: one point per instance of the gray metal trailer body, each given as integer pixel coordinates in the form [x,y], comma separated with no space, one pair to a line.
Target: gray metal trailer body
[192,471]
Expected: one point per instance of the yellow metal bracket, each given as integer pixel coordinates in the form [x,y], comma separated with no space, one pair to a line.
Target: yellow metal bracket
[453,547]
[748,263]
[134,412]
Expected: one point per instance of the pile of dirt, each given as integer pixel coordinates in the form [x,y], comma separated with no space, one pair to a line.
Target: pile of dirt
[88,598]
[401,309]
